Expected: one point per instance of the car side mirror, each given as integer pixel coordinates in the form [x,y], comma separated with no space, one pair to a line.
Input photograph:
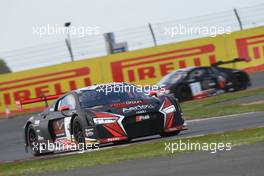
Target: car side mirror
[64,108]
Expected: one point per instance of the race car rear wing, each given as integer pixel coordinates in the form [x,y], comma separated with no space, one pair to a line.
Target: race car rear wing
[235,60]
[43,98]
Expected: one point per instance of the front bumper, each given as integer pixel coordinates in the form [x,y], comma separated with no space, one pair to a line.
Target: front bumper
[134,128]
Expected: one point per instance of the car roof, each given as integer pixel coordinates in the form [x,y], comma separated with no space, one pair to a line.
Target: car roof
[186,69]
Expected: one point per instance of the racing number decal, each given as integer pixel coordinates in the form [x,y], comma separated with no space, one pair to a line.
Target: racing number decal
[196,88]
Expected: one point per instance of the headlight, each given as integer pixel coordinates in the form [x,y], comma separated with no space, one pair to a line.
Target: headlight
[169,109]
[104,120]
[167,91]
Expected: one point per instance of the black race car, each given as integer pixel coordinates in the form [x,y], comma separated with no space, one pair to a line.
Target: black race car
[199,82]
[103,113]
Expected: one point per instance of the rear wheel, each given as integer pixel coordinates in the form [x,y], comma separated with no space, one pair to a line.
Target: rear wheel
[169,134]
[241,83]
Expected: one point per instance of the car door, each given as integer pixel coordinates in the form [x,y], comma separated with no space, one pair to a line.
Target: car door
[59,116]
[46,117]
[202,79]
[210,80]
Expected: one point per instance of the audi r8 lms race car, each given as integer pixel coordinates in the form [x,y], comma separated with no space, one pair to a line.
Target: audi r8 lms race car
[102,113]
[199,82]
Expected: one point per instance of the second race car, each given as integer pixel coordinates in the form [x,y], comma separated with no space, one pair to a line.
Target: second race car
[199,82]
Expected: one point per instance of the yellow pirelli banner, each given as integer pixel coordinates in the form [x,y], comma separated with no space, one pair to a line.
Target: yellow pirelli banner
[145,66]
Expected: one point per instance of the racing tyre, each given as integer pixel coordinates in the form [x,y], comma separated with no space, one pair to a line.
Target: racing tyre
[241,83]
[32,140]
[166,134]
[78,132]
[183,93]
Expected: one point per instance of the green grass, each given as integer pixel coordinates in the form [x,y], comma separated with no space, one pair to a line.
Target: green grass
[218,105]
[131,152]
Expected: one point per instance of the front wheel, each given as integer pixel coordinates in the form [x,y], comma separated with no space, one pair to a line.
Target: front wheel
[169,134]
[78,131]
[183,93]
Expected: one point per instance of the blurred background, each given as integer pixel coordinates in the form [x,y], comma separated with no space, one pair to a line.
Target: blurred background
[137,24]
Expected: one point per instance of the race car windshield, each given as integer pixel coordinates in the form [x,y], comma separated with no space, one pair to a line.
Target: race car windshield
[172,78]
[104,96]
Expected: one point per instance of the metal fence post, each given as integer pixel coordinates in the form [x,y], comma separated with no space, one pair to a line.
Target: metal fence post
[238,19]
[153,35]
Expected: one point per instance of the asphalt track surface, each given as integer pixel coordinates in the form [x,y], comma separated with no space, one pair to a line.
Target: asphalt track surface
[11,146]
[240,161]
[11,130]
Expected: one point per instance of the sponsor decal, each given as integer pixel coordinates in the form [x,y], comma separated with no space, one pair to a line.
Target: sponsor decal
[37,122]
[140,118]
[251,47]
[196,88]
[43,84]
[138,108]
[59,128]
[128,103]
[89,132]
[40,138]
[141,112]
[157,65]
[112,139]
